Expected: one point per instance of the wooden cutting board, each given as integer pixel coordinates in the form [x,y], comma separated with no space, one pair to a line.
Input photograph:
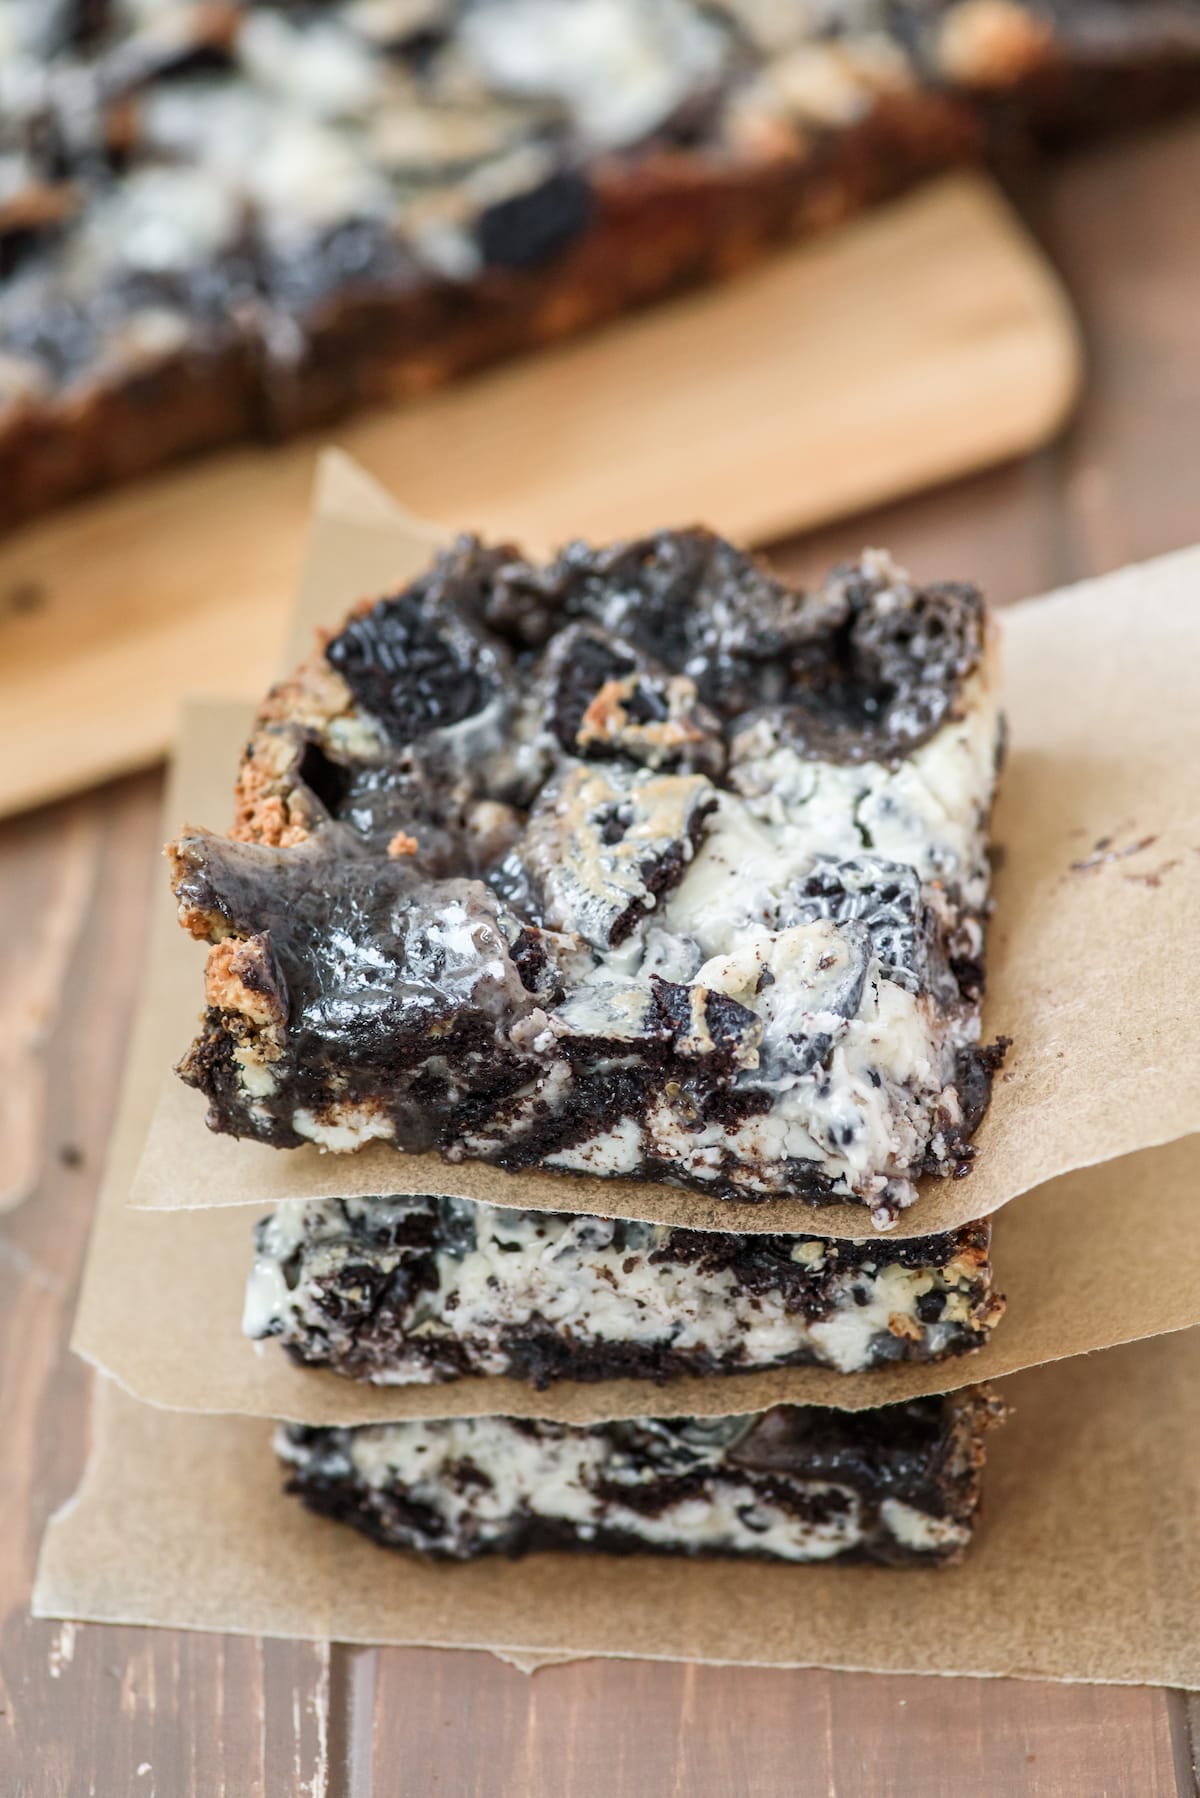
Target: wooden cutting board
[922,341]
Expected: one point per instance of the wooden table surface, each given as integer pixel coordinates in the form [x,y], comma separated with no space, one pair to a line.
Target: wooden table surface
[126,1713]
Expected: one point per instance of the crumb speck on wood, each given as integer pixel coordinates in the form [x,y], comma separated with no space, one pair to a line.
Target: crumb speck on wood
[62,1649]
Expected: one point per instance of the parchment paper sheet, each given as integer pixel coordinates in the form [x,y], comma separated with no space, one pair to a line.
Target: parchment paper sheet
[1097,898]
[162,1298]
[1086,1565]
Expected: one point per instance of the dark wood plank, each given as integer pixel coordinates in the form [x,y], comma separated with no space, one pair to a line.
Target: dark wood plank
[1002,529]
[1184,1709]
[1122,226]
[604,1729]
[87,1710]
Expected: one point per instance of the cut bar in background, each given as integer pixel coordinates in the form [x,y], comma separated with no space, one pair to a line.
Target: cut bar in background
[922,341]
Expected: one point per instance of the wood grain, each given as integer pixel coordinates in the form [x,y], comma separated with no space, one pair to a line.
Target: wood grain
[926,339]
[110,1712]
[55,861]
[1131,484]
[85,1711]
[748,1731]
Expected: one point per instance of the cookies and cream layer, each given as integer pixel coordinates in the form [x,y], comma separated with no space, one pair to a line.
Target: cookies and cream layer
[898,1485]
[417,1290]
[638,863]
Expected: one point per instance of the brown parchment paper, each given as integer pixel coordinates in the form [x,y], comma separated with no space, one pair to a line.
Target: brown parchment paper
[161,1309]
[1097,895]
[1086,1564]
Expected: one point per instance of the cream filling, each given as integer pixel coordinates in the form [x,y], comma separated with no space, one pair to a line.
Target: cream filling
[569,1272]
[343,1128]
[918,1530]
[619,66]
[790,811]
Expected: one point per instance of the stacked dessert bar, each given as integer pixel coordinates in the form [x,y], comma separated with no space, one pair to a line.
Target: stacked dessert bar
[638,864]
[242,217]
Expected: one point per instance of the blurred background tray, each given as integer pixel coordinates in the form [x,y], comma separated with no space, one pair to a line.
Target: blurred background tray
[928,339]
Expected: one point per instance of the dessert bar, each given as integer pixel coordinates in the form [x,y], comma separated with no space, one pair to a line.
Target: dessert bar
[638,863]
[239,219]
[413,1290]
[899,1485]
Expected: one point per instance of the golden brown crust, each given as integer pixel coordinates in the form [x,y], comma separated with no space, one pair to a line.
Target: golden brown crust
[970,1266]
[904,1327]
[267,808]
[313,693]
[608,721]
[205,926]
[261,810]
[238,977]
[980,1411]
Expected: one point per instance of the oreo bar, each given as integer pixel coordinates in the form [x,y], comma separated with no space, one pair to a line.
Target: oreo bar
[638,863]
[418,1290]
[243,219]
[898,1486]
